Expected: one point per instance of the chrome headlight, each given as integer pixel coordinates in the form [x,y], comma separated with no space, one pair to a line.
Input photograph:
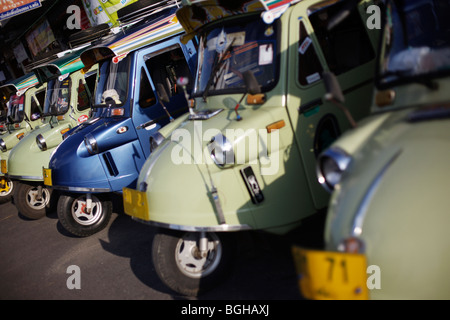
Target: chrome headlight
[40,140]
[91,144]
[221,151]
[330,166]
[3,145]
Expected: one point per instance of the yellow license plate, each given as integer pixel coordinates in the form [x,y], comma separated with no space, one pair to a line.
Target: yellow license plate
[3,166]
[47,173]
[331,275]
[135,203]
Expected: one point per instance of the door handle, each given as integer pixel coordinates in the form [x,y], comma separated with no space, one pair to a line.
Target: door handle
[309,106]
[145,124]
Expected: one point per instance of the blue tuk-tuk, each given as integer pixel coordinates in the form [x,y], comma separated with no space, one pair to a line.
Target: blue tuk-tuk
[136,95]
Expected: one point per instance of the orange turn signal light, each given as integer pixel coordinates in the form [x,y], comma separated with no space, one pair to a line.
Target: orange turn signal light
[275,126]
[64,130]
[117,112]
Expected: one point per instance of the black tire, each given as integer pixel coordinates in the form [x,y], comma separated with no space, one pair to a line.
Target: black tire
[6,189]
[183,275]
[28,202]
[73,217]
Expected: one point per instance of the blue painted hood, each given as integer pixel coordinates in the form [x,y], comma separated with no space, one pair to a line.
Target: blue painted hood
[75,169]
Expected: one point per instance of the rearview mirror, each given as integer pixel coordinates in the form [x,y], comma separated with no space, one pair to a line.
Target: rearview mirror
[342,14]
[251,83]
[162,93]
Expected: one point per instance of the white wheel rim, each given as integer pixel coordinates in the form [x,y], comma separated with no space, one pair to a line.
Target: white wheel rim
[80,214]
[195,267]
[10,185]
[36,202]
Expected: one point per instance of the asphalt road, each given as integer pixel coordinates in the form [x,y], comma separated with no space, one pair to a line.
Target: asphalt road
[115,264]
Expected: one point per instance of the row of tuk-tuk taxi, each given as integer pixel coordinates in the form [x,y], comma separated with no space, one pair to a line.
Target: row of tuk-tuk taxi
[210,118]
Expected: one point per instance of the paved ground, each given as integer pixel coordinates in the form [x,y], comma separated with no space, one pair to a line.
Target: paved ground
[115,264]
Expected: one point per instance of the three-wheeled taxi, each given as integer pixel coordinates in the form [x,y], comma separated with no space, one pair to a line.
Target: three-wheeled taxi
[136,94]
[67,104]
[386,231]
[245,158]
[25,106]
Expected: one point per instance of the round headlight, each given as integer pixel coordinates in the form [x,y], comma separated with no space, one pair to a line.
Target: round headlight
[91,144]
[41,142]
[330,166]
[3,145]
[221,151]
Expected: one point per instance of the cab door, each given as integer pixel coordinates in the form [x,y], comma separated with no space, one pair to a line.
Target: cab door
[158,71]
[348,52]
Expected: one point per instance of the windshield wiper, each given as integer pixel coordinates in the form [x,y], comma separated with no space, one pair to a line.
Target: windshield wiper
[8,122]
[27,120]
[216,68]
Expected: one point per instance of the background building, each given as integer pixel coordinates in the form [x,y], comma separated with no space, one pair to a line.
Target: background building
[43,29]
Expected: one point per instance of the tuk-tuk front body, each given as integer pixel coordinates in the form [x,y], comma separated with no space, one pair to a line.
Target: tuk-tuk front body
[245,159]
[386,226]
[26,100]
[103,156]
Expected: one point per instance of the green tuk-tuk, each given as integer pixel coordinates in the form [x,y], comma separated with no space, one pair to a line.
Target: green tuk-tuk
[245,156]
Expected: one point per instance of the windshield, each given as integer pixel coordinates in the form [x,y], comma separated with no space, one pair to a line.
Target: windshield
[16,109]
[58,96]
[416,42]
[227,50]
[112,85]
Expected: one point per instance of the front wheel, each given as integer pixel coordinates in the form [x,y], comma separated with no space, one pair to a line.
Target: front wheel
[181,265]
[6,189]
[80,220]
[31,200]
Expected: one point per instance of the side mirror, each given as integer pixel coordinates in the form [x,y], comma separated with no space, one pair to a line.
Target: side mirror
[110,102]
[334,94]
[162,93]
[251,83]
[332,87]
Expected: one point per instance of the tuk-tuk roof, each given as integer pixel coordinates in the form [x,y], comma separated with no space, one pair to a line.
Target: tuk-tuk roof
[19,85]
[68,63]
[137,35]
[193,15]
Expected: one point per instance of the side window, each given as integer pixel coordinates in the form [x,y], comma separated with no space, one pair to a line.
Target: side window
[40,96]
[37,103]
[166,67]
[86,88]
[310,68]
[347,45]
[146,94]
